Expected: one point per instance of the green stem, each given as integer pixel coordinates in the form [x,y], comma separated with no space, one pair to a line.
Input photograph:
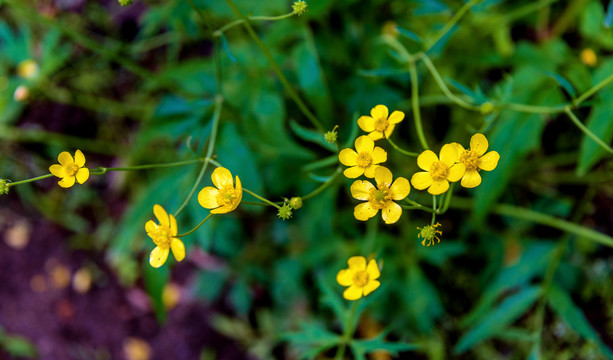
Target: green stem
[434,208]
[197,226]
[255,203]
[325,162]
[540,218]
[389,140]
[10,184]
[204,19]
[416,205]
[323,186]
[594,89]
[451,23]
[347,331]
[234,23]
[103,170]
[447,200]
[305,110]
[587,131]
[567,17]
[415,104]
[261,198]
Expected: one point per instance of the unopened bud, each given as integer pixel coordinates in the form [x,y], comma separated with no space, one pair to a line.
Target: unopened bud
[295,202]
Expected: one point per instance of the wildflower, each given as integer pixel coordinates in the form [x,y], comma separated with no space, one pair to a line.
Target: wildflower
[588,57]
[225,197]
[429,233]
[27,69]
[380,198]
[70,169]
[331,136]
[299,7]
[164,236]
[285,212]
[364,160]
[378,125]
[4,186]
[438,173]
[475,160]
[361,279]
[295,202]
[22,93]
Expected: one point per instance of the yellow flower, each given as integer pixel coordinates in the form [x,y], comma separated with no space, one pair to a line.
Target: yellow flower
[378,124]
[364,160]
[438,173]
[164,236]
[27,69]
[475,160]
[361,279]
[380,198]
[225,197]
[70,169]
[588,57]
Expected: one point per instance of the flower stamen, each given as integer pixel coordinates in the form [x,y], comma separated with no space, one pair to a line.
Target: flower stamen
[439,170]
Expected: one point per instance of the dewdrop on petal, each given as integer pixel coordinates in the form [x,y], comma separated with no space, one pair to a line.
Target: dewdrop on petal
[299,7]
[429,233]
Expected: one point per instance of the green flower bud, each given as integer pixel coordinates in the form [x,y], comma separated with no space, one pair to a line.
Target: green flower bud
[299,7]
[295,202]
[429,233]
[285,212]
[4,186]
[331,136]
[486,108]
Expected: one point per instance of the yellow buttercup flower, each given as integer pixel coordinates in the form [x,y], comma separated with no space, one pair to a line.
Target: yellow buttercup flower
[438,173]
[27,69]
[361,279]
[70,169]
[225,197]
[364,159]
[164,236]
[380,197]
[475,159]
[589,57]
[378,125]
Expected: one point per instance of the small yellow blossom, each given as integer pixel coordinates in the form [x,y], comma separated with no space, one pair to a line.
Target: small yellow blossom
[429,233]
[588,57]
[364,160]
[164,236]
[299,7]
[475,159]
[70,169]
[438,173]
[27,69]
[361,279]
[225,197]
[380,197]
[378,125]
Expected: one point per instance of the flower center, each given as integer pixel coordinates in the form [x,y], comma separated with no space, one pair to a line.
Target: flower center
[439,170]
[379,198]
[162,237]
[381,124]
[72,169]
[470,159]
[364,159]
[360,278]
[226,196]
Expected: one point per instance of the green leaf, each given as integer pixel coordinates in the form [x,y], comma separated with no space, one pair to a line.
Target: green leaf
[234,154]
[592,19]
[155,280]
[378,343]
[509,310]
[310,135]
[422,300]
[409,35]
[17,346]
[209,284]
[565,84]
[561,303]
[312,339]
[608,20]
[240,297]
[332,299]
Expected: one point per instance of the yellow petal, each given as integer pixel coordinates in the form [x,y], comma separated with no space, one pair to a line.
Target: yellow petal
[173,225]
[400,188]
[344,277]
[79,158]
[396,117]
[67,181]
[478,144]
[151,228]
[383,176]
[360,189]
[64,158]
[456,172]
[438,187]
[425,160]
[223,209]
[459,147]
[369,171]
[449,154]
[421,180]
[352,293]
[82,175]
[378,155]
[57,170]
[239,191]
[158,256]
[348,157]
[379,111]
[364,211]
[353,172]
[357,263]
[389,130]
[161,215]
[178,249]
[471,179]
[376,135]
[364,144]
[489,161]
[207,197]
[366,123]
[391,213]
[371,286]
[222,177]
[373,270]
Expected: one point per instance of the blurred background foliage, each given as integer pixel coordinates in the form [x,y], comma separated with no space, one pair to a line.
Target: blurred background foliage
[136,85]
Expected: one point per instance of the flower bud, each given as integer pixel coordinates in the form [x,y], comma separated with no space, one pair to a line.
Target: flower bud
[486,108]
[285,212]
[295,202]
[299,7]
[4,186]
